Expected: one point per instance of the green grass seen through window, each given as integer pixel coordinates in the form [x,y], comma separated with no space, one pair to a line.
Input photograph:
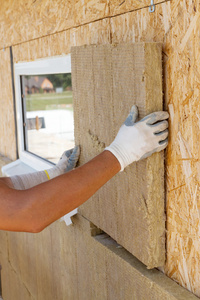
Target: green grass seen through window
[49,101]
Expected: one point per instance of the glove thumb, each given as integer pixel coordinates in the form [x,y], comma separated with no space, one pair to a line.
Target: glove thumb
[132,117]
[68,153]
[73,158]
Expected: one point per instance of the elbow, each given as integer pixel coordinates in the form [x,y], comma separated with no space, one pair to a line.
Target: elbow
[17,213]
[21,225]
[29,218]
[35,229]
[24,223]
[25,226]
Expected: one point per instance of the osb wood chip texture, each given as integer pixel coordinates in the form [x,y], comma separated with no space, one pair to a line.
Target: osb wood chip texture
[7,125]
[24,20]
[177,25]
[77,266]
[107,81]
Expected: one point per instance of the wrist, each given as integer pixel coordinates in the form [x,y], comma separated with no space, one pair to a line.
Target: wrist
[112,159]
[112,149]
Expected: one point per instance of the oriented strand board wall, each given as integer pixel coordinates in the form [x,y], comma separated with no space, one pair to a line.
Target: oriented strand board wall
[107,81]
[177,25]
[83,267]
[7,126]
[24,20]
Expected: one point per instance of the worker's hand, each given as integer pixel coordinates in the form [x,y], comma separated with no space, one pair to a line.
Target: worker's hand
[71,158]
[138,140]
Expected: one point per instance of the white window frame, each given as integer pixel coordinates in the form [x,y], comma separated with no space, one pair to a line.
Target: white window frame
[27,161]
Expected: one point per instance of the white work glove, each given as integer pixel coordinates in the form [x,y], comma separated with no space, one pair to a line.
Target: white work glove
[136,141]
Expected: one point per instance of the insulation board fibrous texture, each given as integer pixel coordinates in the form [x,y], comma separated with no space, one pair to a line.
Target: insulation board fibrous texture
[107,81]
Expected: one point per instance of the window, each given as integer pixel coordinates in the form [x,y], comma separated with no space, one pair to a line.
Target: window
[47,114]
[44,113]
[44,107]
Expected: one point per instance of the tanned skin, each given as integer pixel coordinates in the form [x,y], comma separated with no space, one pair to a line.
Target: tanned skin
[34,209]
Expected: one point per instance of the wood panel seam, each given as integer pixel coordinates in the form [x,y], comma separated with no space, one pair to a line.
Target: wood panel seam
[81,25]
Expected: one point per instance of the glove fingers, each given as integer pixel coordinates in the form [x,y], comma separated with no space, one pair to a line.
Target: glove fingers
[163,144]
[160,126]
[72,161]
[75,154]
[132,117]
[162,135]
[155,117]
[68,152]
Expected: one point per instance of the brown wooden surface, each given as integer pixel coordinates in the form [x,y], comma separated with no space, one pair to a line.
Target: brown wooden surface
[7,125]
[24,20]
[76,266]
[176,25]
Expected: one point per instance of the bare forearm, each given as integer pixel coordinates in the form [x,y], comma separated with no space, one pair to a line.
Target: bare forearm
[66,192]
[7,181]
[34,209]
[45,203]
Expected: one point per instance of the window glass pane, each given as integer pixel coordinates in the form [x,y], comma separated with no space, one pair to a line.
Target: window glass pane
[48,114]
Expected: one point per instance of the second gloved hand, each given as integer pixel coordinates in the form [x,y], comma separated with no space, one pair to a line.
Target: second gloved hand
[69,159]
[138,140]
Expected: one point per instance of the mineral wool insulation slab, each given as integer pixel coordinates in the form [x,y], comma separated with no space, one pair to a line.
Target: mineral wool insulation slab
[107,81]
